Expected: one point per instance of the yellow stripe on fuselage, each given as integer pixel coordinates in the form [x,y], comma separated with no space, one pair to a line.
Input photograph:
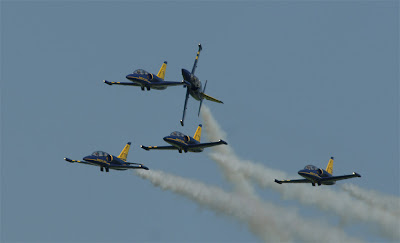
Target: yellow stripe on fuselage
[311,173]
[98,160]
[178,140]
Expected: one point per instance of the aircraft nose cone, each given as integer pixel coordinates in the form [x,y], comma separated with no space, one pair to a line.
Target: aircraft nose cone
[301,172]
[185,74]
[86,158]
[165,139]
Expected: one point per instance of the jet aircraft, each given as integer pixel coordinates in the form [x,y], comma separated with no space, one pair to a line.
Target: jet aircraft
[107,161]
[195,88]
[148,80]
[315,175]
[182,142]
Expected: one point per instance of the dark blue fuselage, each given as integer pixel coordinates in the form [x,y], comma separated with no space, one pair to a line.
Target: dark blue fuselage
[315,175]
[145,79]
[195,88]
[181,142]
[108,161]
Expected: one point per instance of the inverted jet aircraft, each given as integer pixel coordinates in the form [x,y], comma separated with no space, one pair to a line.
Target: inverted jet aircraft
[107,161]
[182,142]
[315,175]
[195,88]
[148,80]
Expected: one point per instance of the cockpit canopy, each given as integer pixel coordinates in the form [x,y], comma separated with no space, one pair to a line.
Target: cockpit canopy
[140,71]
[99,153]
[177,134]
[311,167]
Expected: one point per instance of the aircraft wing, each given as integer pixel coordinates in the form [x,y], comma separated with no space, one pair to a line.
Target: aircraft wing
[338,178]
[77,161]
[159,147]
[211,98]
[121,83]
[206,145]
[138,166]
[293,181]
[167,83]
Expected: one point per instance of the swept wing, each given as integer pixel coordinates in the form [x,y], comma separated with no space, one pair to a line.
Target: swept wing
[293,181]
[159,147]
[206,145]
[338,178]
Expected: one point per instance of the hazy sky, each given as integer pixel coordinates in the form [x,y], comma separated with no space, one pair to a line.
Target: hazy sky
[301,82]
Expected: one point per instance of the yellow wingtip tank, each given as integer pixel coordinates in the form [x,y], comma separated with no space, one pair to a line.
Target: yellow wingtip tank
[161,73]
[197,134]
[329,168]
[124,153]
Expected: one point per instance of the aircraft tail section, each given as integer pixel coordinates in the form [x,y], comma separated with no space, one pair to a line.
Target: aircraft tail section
[161,73]
[329,168]
[124,153]
[197,134]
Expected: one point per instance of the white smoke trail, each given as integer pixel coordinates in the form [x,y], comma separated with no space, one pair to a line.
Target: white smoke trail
[326,199]
[373,198]
[267,221]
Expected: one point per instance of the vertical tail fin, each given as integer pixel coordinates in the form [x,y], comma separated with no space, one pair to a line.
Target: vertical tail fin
[329,168]
[161,73]
[197,134]
[124,153]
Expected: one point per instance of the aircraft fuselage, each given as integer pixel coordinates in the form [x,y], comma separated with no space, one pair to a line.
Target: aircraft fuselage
[182,142]
[315,176]
[144,80]
[107,161]
[104,161]
[195,88]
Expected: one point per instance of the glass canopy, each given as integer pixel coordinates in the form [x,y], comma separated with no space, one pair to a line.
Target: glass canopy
[311,167]
[177,134]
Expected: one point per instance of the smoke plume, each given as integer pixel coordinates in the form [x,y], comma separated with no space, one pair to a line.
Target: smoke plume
[336,202]
[391,204]
[269,222]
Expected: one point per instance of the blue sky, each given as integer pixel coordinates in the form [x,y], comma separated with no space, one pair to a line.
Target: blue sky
[301,82]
